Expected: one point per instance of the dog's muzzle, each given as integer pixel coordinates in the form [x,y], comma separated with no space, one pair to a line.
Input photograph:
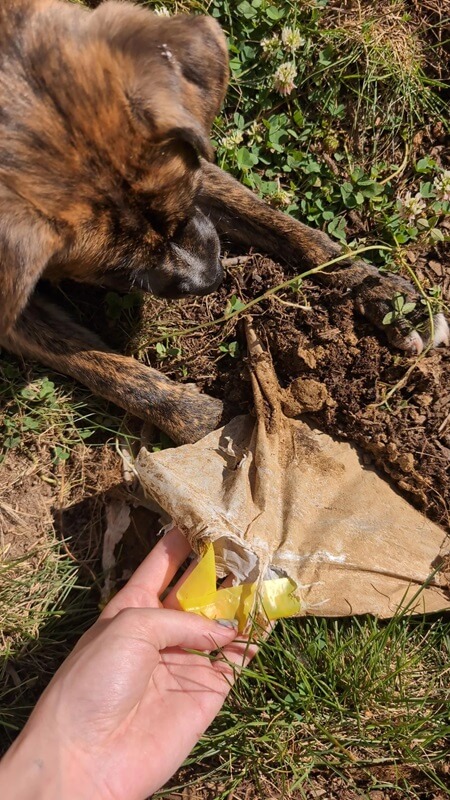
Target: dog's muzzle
[199,276]
[191,265]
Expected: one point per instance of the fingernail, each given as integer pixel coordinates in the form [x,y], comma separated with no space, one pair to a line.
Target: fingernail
[227,623]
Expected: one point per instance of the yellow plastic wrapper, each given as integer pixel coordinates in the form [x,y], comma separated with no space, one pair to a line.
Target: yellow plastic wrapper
[272,599]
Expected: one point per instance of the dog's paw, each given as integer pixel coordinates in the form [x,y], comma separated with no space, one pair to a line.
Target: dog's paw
[431,334]
[410,332]
[189,414]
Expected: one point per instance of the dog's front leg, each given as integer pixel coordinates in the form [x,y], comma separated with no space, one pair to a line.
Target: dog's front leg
[44,332]
[243,219]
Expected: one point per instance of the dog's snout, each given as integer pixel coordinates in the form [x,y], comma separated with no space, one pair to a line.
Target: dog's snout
[202,284]
[215,282]
[188,265]
[195,267]
[193,275]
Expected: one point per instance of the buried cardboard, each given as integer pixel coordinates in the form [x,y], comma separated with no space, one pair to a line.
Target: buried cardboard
[278,498]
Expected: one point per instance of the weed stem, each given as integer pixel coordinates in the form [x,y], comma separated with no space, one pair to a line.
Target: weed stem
[233,314]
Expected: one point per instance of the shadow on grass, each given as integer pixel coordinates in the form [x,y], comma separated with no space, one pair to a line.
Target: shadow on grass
[31,657]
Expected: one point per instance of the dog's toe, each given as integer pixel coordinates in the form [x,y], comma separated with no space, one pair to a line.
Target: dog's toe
[432,334]
[441,331]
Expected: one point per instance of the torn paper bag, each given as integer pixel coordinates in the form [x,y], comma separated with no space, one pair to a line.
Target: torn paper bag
[278,498]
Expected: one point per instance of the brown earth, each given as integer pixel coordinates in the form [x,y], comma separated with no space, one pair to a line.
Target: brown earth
[336,368]
[340,370]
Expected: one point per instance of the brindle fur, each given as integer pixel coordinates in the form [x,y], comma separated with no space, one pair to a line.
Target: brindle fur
[105,179]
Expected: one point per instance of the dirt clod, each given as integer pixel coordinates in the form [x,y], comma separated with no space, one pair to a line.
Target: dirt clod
[303,395]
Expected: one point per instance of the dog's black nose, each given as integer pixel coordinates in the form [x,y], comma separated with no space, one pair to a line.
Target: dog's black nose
[201,285]
[196,282]
[212,287]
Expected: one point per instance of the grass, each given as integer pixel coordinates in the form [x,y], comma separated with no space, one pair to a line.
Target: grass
[329,708]
[43,610]
[356,702]
[37,408]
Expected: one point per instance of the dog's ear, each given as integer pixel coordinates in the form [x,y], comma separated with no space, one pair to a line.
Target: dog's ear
[178,69]
[196,50]
[27,243]
[169,122]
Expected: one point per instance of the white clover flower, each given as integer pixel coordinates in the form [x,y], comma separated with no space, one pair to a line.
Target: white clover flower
[412,207]
[254,133]
[270,46]
[442,185]
[162,11]
[232,140]
[282,197]
[284,78]
[292,39]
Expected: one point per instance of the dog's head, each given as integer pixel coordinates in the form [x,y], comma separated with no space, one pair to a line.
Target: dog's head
[104,118]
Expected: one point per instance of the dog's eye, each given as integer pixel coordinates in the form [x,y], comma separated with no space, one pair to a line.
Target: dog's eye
[157,220]
[167,219]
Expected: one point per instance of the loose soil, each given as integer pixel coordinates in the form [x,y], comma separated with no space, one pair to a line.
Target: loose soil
[338,367]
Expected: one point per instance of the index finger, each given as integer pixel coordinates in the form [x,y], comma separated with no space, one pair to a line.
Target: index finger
[152,576]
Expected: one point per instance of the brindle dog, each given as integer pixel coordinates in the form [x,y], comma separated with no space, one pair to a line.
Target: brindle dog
[106,178]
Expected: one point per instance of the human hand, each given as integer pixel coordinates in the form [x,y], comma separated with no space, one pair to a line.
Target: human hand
[130,702]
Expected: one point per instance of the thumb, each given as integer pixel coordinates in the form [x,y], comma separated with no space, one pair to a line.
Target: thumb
[164,627]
